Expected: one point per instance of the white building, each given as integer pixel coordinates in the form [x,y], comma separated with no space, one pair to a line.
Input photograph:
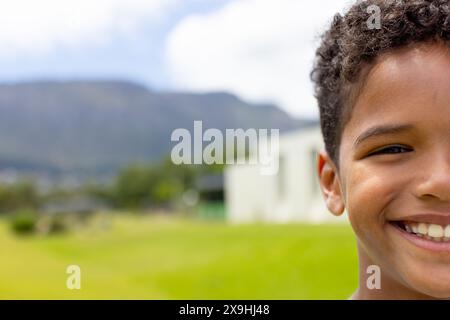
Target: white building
[293,194]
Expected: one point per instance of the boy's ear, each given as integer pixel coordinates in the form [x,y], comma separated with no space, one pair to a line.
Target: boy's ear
[329,184]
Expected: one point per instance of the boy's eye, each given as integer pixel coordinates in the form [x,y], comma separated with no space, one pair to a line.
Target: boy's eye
[391,150]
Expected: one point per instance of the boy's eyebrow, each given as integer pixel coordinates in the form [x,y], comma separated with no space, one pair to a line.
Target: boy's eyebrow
[382,130]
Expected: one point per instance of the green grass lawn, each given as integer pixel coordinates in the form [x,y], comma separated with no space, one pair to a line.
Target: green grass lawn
[159,258]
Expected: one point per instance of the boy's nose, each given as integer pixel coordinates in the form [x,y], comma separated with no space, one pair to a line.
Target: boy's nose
[435,178]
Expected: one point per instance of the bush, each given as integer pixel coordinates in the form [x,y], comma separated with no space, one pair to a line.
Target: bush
[51,224]
[24,222]
[57,225]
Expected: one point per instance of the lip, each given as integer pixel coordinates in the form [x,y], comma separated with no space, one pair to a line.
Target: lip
[429,218]
[423,243]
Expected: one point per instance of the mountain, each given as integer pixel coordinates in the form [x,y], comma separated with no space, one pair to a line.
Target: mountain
[96,127]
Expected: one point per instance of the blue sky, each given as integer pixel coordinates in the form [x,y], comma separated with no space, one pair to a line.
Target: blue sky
[260,50]
[137,58]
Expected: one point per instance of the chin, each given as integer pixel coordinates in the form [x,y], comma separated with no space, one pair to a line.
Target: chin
[430,279]
[432,285]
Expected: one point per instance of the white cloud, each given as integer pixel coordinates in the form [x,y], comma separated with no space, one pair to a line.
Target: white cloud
[31,26]
[259,49]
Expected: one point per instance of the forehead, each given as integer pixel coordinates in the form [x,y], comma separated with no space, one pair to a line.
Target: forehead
[408,85]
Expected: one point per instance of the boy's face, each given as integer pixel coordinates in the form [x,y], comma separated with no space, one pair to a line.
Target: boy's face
[395,183]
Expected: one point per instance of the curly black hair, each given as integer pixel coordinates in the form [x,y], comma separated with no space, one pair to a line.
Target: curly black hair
[349,48]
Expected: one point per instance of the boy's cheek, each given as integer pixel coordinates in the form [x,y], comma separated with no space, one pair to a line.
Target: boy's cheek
[367,196]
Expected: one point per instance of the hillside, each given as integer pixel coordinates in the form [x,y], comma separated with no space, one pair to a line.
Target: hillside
[95,127]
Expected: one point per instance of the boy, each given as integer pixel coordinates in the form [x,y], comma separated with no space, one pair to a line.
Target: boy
[384,100]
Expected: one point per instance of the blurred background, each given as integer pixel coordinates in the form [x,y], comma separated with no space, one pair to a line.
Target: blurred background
[90,92]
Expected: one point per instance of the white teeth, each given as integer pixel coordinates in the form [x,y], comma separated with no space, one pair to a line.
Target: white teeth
[447,231]
[430,231]
[435,231]
[422,229]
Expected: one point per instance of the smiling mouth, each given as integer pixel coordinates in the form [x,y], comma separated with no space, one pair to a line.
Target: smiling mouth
[428,231]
